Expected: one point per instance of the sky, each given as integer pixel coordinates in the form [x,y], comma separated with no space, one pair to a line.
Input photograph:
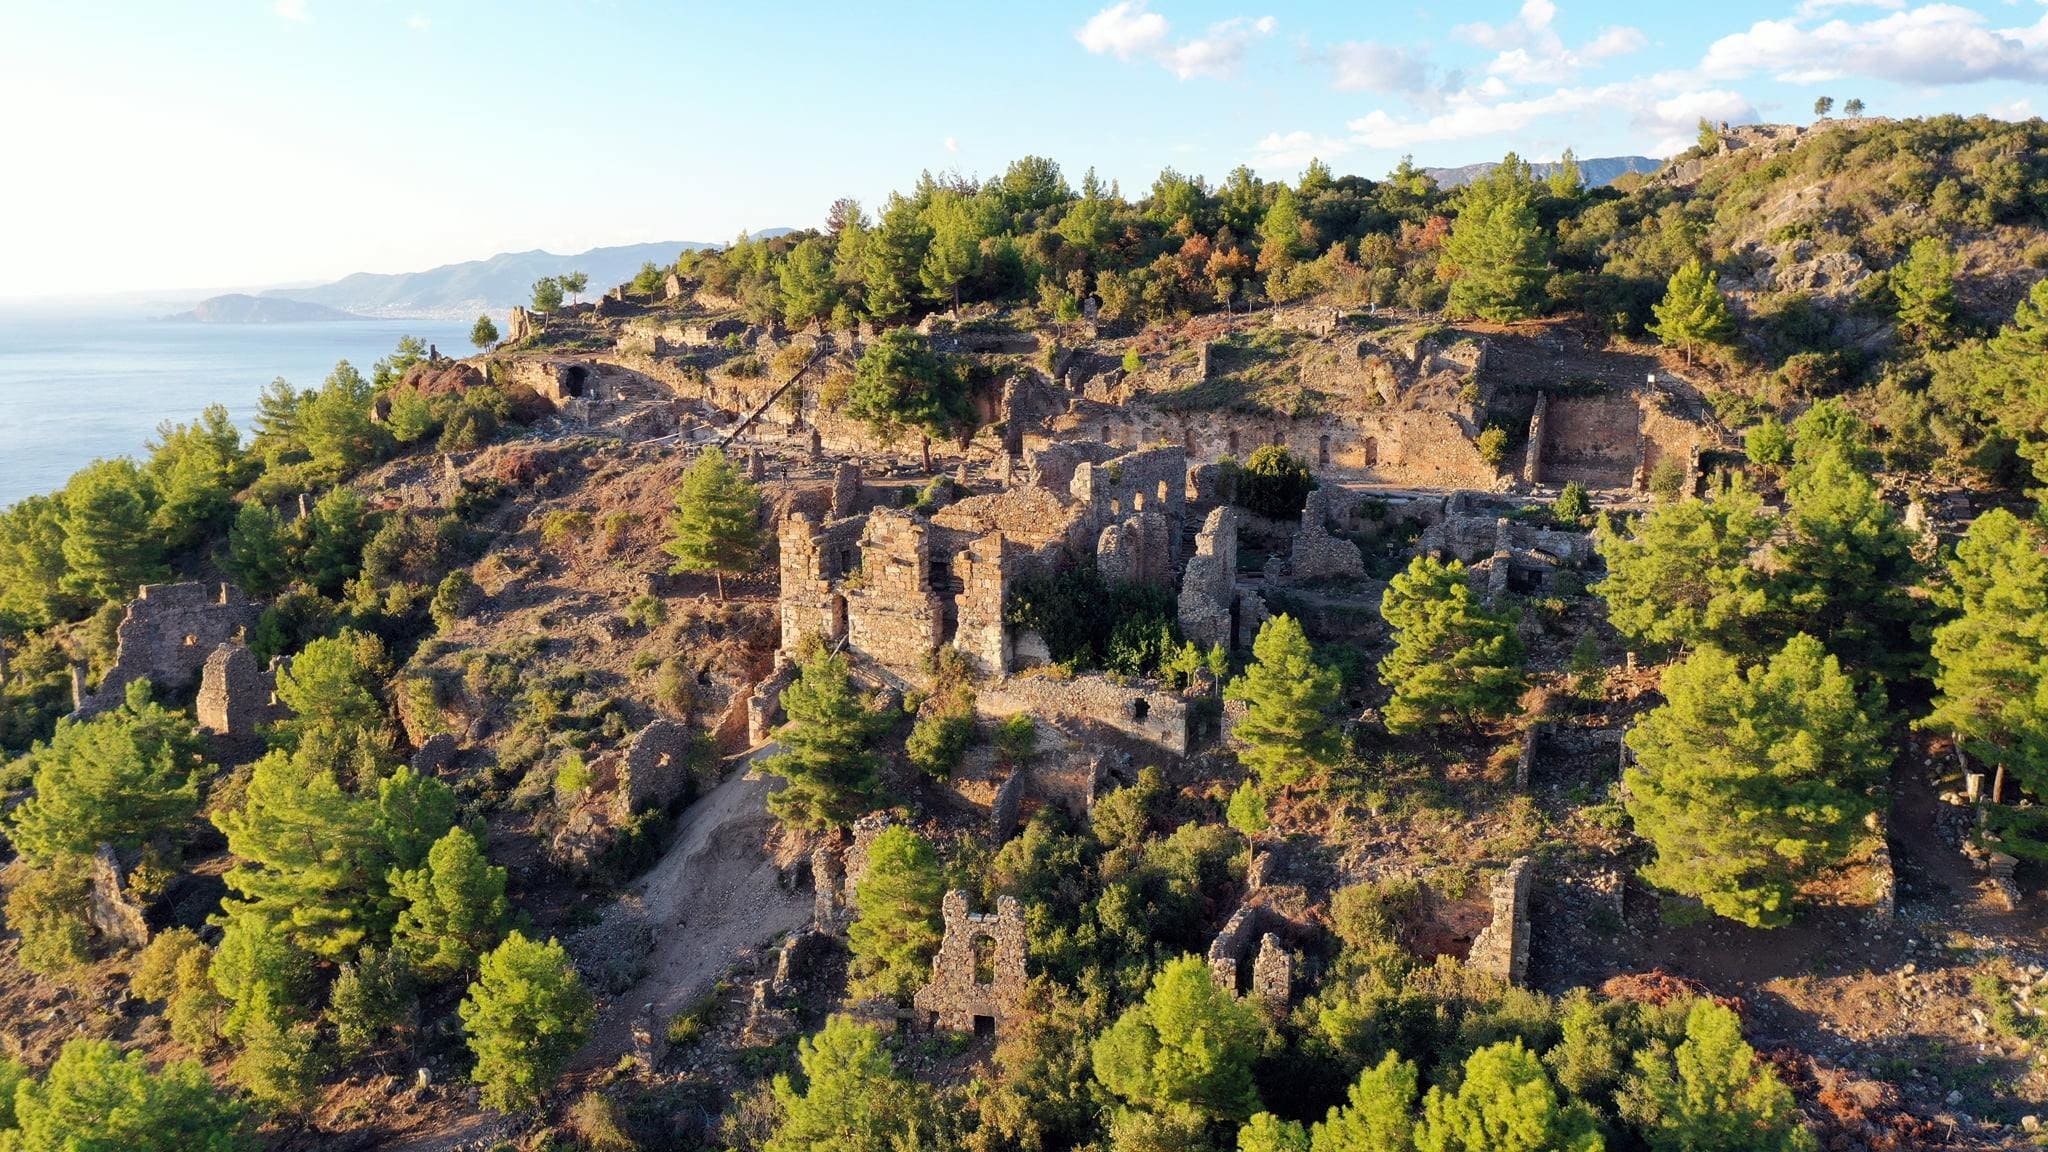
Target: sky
[157,145]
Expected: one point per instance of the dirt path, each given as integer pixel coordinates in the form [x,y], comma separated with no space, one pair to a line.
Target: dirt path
[714,895]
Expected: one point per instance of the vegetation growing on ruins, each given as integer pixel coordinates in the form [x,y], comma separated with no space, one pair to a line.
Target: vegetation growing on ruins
[1793,668]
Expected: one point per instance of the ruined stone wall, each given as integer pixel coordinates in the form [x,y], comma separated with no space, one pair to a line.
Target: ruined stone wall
[1595,440]
[657,766]
[1387,445]
[167,634]
[811,561]
[1317,555]
[1151,479]
[1209,583]
[1502,948]
[1141,710]
[234,693]
[1532,459]
[957,993]
[1137,550]
[980,634]
[894,616]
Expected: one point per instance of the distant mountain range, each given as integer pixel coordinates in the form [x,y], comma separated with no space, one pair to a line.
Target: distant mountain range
[460,291]
[1596,173]
[240,308]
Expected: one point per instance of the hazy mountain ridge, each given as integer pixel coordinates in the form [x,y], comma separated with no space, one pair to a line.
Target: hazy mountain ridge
[1597,172]
[242,308]
[490,285]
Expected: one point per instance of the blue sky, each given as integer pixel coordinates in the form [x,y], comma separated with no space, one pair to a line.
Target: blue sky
[158,145]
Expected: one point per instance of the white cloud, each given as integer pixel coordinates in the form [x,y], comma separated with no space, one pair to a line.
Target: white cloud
[1528,49]
[2020,109]
[418,22]
[1668,120]
[1809,8]
[1295,149]
[293,10]
[1127,30]
[1123,30]
[952,145]
[1368,66]
[1221,51]
[1933,44]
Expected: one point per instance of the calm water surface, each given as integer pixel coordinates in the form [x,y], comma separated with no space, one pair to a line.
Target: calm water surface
[77,388]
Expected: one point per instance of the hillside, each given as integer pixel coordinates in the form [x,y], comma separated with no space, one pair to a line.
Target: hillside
[240,308]
[1345,652]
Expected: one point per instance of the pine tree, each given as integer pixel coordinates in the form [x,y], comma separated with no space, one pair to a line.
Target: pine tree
[899,926]
[329,688]
[483,333]
[1497,246]
[280,1060]
[123,778]
[1924,291]
[1692,314]
[194,471]
[1991,664]
[1281,244]
[954,253]
[525,1015]
[280,423]
[1566,181]
[1286,730]
[1188,1044]
[1846,570]
[314,855]
[1712,1094]
[256,550]
[852,1098]
[1266,1132]
[716,526]
[810,288]
[825,757]
[892,254]
[1454,659]
[256,964]
[454,907]
[96,1099]
[1247,810]
[1748,783]
[900,384]
[1505,1103]
[336,426]
[109,546]
[1685,575]
[371,997]
[1378,1114]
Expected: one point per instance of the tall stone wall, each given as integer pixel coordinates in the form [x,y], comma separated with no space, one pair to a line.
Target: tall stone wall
[1595,440]
[957,993]
[167,634]
[980,634]
[1139,549]
[1209,584]
[894,616]
[1502,948]
[1532,459]
[1142,711]
[1389,445]
[811,559]
[234,693]
[1151,479]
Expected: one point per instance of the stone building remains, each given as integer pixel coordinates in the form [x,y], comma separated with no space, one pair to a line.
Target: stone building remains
[978,976]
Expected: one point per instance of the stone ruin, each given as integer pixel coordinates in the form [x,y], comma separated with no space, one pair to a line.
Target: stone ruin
[167,635]
[978,977]
[112,908]
[1502,948]
[1213,608]
[1612,441]
[1508,554]
[1246,937]
[838,863]
[892,587]
[652,772]
[1317,554]
[237,697]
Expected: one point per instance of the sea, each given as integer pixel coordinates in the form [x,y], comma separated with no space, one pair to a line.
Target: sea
[75,388]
